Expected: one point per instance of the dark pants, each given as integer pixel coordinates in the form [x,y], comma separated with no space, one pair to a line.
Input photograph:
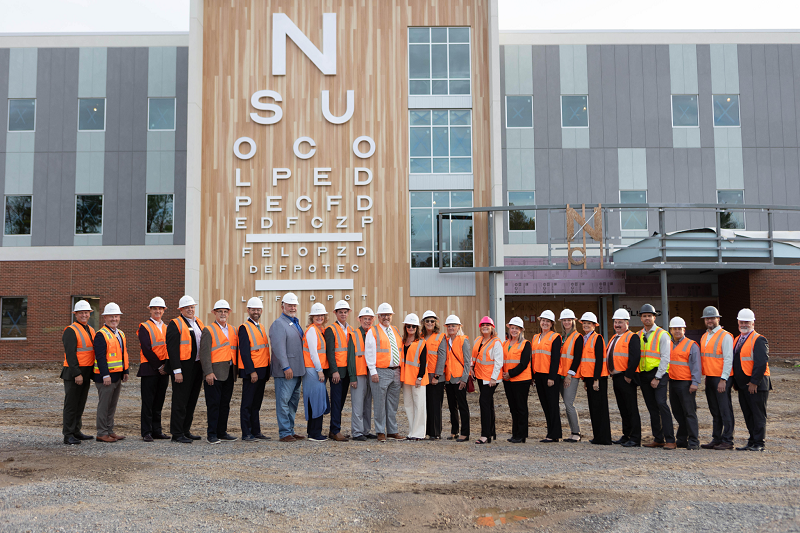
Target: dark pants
[218,404]
[154,392]
[314,424]
[517,395]
[721,407]
[457,403]
[434,399]
[486,402]
[252,396]
[548,397]
[684,408]
[754,409]
[628,404]
[598,410]
[75,402]
[338,397]
[657,406]
[184,399]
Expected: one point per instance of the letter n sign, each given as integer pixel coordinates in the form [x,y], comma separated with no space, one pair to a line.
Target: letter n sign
[283,27]
[595,232]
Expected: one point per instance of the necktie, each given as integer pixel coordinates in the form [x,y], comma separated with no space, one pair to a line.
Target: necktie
[393,344]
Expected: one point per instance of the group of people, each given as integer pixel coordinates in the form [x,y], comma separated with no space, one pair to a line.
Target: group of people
[374,361]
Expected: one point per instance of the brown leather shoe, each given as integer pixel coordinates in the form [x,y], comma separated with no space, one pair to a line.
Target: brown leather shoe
[288,438]
[670,446]
[395,436]
[338,437]
[654,444]
[105,438]
[298,437]
[381,437]
[724,446]
[118,437]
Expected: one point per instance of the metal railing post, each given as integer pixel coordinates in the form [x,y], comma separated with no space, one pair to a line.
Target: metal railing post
[770,227]
[549,239]
[719,235]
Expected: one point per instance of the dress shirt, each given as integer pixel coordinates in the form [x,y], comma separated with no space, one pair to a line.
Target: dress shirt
[346,332]
[197,335]
[371,349]
[664,348]
[727,350]
[610,355]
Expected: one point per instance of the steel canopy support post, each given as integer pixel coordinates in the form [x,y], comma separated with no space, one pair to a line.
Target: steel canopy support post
[492,275]
[664,301]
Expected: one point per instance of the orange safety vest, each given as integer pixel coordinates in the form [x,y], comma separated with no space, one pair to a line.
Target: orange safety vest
[361,362]
[432,343]
[383,355]
[157,341]
[223,348]
[85,351]
[746,353]
[541,350]
[621,350]
[651,353]
[512,356]
[340,343]
[116,355]
[259,344]
[679,369]
[587,357]
[323,360]
[410,368]
[454,365]
[186,340]
[484,361]
[711,360]
[567,353]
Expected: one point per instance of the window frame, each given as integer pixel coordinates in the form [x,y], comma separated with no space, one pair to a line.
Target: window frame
[35,116]
[5,208]
[431,157]
[519,127]
[105,115]
[622,210]
[433,250]
[672,110]
[147,225]
[744,218]
[508,217]
[2,338]
[430,79]
[714,122]
[102,214]
[174,112]
[561,111]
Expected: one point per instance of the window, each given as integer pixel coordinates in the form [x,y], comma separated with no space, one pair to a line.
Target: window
[159,213]
[684,111]
[519,111]
[521,220]
[94,318]
[438,61]
[91,114]
[726,110]
[14,323]
[18,215]
[575,111]
[441,141]
[633,219]
[88,214]
[731,219]
[161,114]
[457,230]
[22,114]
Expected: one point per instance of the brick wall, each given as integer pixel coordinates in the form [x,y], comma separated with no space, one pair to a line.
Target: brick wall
[775,300]
[734,294]
[50,285]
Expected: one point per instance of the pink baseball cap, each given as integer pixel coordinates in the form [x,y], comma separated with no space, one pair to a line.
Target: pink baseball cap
[486,320]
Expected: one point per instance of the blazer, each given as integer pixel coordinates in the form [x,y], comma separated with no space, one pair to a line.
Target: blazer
[173,338]
[220,370]
[286,348]
[760,359]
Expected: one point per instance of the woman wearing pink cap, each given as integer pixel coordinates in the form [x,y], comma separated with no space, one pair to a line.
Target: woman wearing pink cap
[487,362]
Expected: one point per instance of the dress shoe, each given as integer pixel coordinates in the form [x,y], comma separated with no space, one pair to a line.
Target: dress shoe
[549,440]
[81,436]
[182,440]
[320,438]
[298,437]
[692,447]
[249,438]
[621,440]
[160,436]
[681,444]
[71,440]
[372,436]
[118,437]
[654,444]
[261,436]
[710,445]
[287,438]
[381,437]
[755,448]
[724,446]
[147,437]
[395,436]
[515,440]
[670,446]
[228,437]
[105,438]
[193,437]
[338,437]
[360,438]
[631,444]
[213,440]
[744,448]
[573,438]
[463,439]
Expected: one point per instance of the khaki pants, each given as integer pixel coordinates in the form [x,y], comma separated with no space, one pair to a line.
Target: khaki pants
[414,402]
[108,396]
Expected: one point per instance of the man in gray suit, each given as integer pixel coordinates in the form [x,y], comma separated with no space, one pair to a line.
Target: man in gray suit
[217,356]
[287,365]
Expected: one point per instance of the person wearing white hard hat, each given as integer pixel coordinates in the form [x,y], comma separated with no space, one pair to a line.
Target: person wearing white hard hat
[623,354]
[382,353]
[153,371]
[219,345]
[716,361]
[434,391]
[594,371]
[338,342]
[653,365]
[78,340]
[487,364]
[183,343]
[361,392]
[751,379]
[288,366]
[414,375]
[517,378]
[684,379]
[546,358]
[568,367]
[110,371]
[254,369]
[315,395]
[456,374]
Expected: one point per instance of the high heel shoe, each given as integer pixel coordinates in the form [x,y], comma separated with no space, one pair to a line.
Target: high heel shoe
[487,441]
[463,439]
[452,437]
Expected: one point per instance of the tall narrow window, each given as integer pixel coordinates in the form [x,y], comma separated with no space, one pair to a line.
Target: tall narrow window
[22,114]
[521,220]
[91,114]
[731,219]
[439,61]
[441,141]
[456,230]
[18,215]
[159,213]
[88,214]
[161,114]
[14,321]
[633,219]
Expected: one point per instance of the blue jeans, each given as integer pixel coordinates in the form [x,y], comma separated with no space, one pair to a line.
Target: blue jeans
[287,398]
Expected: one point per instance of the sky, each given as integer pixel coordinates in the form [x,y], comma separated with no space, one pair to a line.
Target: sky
[112,16]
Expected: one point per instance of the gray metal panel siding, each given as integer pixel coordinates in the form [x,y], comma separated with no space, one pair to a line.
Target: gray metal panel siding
[774,107]
[649,76]
[553,96]
[779,189]
[596,192]
[709,184]
[751,183]
[636,96]
[179,202]
[502,98]
[4,64]
[787,95]
[623,90]
[760,107]
[540,101]
[584,167]
[792,162]
[664,96]
[542,169]
[595,74]
[704,107]
[556,177]
[746,103]
[609,96]
[796,70]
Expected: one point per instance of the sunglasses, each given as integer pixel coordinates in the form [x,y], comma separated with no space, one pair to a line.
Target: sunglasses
[430,321]
[411,327]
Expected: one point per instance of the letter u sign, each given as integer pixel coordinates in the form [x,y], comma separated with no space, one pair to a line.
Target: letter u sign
[283,27]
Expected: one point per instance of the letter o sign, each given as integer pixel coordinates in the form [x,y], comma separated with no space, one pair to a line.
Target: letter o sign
[358,152]
[239,142]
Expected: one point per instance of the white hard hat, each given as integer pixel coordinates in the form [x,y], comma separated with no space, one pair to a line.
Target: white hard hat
[746,315]
[452,319]
[158,301]
[111,309]
[255,303]
[429,314]
[548,314]
[186,301]
[589,317]
[222,304]
[516,321]
[567,313]
[621,314]
[365,311]
[318,309]
[82,305]
[385,309]
[341,304]
[411,320]
[677,322]
[290,298]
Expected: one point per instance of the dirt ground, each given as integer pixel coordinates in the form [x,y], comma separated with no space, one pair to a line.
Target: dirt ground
[354,486]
